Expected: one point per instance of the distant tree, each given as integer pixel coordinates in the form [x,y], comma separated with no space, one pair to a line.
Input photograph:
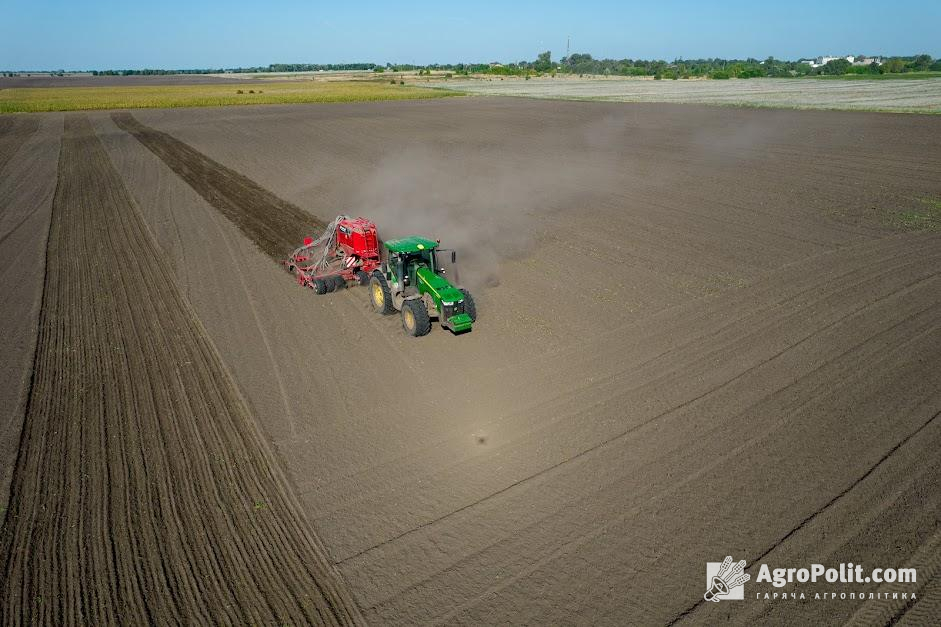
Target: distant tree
[543,61]
[894,65]
[921,63]
[836,67]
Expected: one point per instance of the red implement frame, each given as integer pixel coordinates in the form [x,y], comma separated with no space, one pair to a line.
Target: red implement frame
[348,247]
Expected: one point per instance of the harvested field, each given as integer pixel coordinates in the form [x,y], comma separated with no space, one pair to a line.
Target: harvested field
[916,95]
[703,332]
[143,491]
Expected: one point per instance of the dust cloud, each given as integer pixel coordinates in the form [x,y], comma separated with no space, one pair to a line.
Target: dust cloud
[486,203]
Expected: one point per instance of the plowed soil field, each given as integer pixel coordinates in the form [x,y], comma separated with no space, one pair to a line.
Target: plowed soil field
[702,332]
[144,492]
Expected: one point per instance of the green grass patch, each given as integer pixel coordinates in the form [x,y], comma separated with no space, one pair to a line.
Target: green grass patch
[925,216]
[35,99]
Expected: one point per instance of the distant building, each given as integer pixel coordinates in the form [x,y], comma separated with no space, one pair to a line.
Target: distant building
[821,61]
[861,60]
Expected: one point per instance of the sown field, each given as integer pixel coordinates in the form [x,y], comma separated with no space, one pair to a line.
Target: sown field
[161,493]
[702,331]
[917,95]
[184,94]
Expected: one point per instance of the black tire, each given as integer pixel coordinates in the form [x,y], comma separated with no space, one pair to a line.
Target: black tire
[415,318]
[339,283]
[362,277]
[329,283]
[470,307]
[320,286]
[380,295]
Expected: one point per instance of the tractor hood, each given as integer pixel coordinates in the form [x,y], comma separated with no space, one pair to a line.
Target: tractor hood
[439,287]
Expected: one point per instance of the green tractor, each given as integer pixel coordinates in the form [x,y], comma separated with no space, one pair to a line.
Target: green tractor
[412,280]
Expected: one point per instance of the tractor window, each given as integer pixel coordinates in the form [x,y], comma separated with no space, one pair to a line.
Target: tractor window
[445,266]
[399,268]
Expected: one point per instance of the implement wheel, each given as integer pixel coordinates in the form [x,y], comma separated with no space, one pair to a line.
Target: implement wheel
[415,318]
[380,295]
[320,286]
[362,277]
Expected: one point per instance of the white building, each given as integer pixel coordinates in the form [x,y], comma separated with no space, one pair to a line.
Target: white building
[821,61]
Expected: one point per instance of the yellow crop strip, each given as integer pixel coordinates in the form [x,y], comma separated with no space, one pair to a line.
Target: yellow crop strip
[36,99]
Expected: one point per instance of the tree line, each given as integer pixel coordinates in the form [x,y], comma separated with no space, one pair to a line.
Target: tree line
[274,67]
[739,68]
[585,64]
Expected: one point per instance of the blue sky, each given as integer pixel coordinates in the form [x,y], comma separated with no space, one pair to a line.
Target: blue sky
[45,34]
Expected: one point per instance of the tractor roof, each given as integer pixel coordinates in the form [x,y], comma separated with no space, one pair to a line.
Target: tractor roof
[411,244]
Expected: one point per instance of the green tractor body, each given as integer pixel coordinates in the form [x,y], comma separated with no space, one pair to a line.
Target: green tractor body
[412,280]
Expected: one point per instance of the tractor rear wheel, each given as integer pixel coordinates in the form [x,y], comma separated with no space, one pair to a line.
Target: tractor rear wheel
[362,277]
[320,286]
[415,318]
[380,295]
[470,307]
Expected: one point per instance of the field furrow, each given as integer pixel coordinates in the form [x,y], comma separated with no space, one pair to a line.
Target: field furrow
[13,133]
[272,223]
[144,491]
[703,331]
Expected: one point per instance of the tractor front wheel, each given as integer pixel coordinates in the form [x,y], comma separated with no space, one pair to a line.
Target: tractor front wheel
[380,295]
[470,307]
[415,318]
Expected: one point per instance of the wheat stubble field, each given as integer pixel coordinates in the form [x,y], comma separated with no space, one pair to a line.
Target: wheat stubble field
[909,94]
[703,331]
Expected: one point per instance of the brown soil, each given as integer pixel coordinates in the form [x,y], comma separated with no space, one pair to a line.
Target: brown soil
[144,492]
[273,224]
[14,131]
[702,333]
[29,149]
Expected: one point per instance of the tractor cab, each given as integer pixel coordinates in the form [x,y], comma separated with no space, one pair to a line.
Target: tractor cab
[414,282]
[407,256]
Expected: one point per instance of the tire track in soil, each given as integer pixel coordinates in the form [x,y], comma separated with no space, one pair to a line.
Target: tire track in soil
[274,224]
[13,133]
[144,491]
[813,515]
